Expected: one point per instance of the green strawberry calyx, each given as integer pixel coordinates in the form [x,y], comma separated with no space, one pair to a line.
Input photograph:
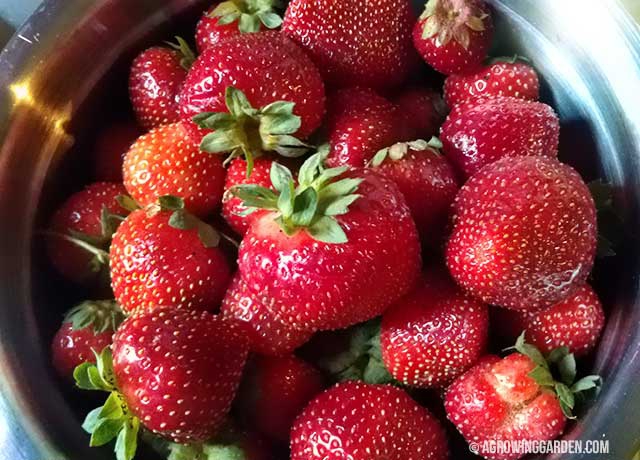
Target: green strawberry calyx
[313,204]
[250,14]
[249,132]
[187,56]
[101,315]
[452,19]
[399,151]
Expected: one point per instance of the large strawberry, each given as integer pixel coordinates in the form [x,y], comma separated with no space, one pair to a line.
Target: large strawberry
[334,251]
[165,161]
[173,371]
[359,421]
[167,257]
[110,148]
[351,41]
[422,111]
[453,36]
[524,234]
[480,132]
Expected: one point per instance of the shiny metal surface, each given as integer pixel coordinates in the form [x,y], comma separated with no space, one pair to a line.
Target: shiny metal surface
[52,92]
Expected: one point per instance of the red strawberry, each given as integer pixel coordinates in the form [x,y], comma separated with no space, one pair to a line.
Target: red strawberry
[155,80]
[110,148]
[359,421]
[276,391]
[422,111]
[266,333]
[359,124]
[481,132]
[453,36]
[434,334]
[167,259]
[81,231]
[367,43]
[338,252]
[87,328]
[427,181]
[166,162]
[575,322]
[502,78]
[524,234]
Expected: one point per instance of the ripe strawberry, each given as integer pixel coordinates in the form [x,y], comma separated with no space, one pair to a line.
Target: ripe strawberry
[427,181]
[453,36]
[266,333]
[165,161]
[86,328]
[328,257]
[422,111]
[155,80]
[274,392]
[359,124]
[359,421]
[481,132]
[167,258]
[109,150]
[524,234]
[434,334]
[502,78]
[368,43]
[576,323]
[81,231]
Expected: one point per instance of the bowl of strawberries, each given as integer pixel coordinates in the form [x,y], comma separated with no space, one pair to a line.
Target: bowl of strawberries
[320,230]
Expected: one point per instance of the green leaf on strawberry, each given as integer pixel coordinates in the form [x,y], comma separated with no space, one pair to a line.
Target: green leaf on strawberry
[184,220]
[250,14]
[102,315]
[187,56]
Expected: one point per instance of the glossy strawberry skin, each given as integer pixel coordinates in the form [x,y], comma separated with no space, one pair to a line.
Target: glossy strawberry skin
[422,111]
[110,148]
[501,79]
[480,132]
[72,347]
[496,400]
[524,234]
[154,84]
[165,161]
[209,32]
[179,370]
[266,333]
[331,286]
[360,421]
[154,265]
[250,62]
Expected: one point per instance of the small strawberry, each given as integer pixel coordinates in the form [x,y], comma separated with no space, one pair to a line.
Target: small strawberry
[167,257]
[173,371]
[274,392]
[109,150]
[480,132]
[366,43]
[165,161]
[427,181]
[234,17]
[359,421]
[504,77]
[155,80]
[453,36]
[524,234]
[422,111]
[334,251]
[86,328]
[266,333]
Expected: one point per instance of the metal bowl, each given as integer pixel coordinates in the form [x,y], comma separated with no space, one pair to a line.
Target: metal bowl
[62,72]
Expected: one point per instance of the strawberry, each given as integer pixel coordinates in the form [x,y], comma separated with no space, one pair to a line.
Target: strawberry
[266,333]
[359,421]
[275,391]
[427,181]
[351,41]
[422,111]
[166,162]
[80,231]
[481,132]
[167,257]
[86,328]
[334,251]
[504,77]
[155,80]
[453,36]
[524,234]
[576,322]
[235,17]
[109,150]
[359,124]
[173,371]
[434,334]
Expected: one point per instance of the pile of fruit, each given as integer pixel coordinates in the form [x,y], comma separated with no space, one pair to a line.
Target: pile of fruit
[299,267]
